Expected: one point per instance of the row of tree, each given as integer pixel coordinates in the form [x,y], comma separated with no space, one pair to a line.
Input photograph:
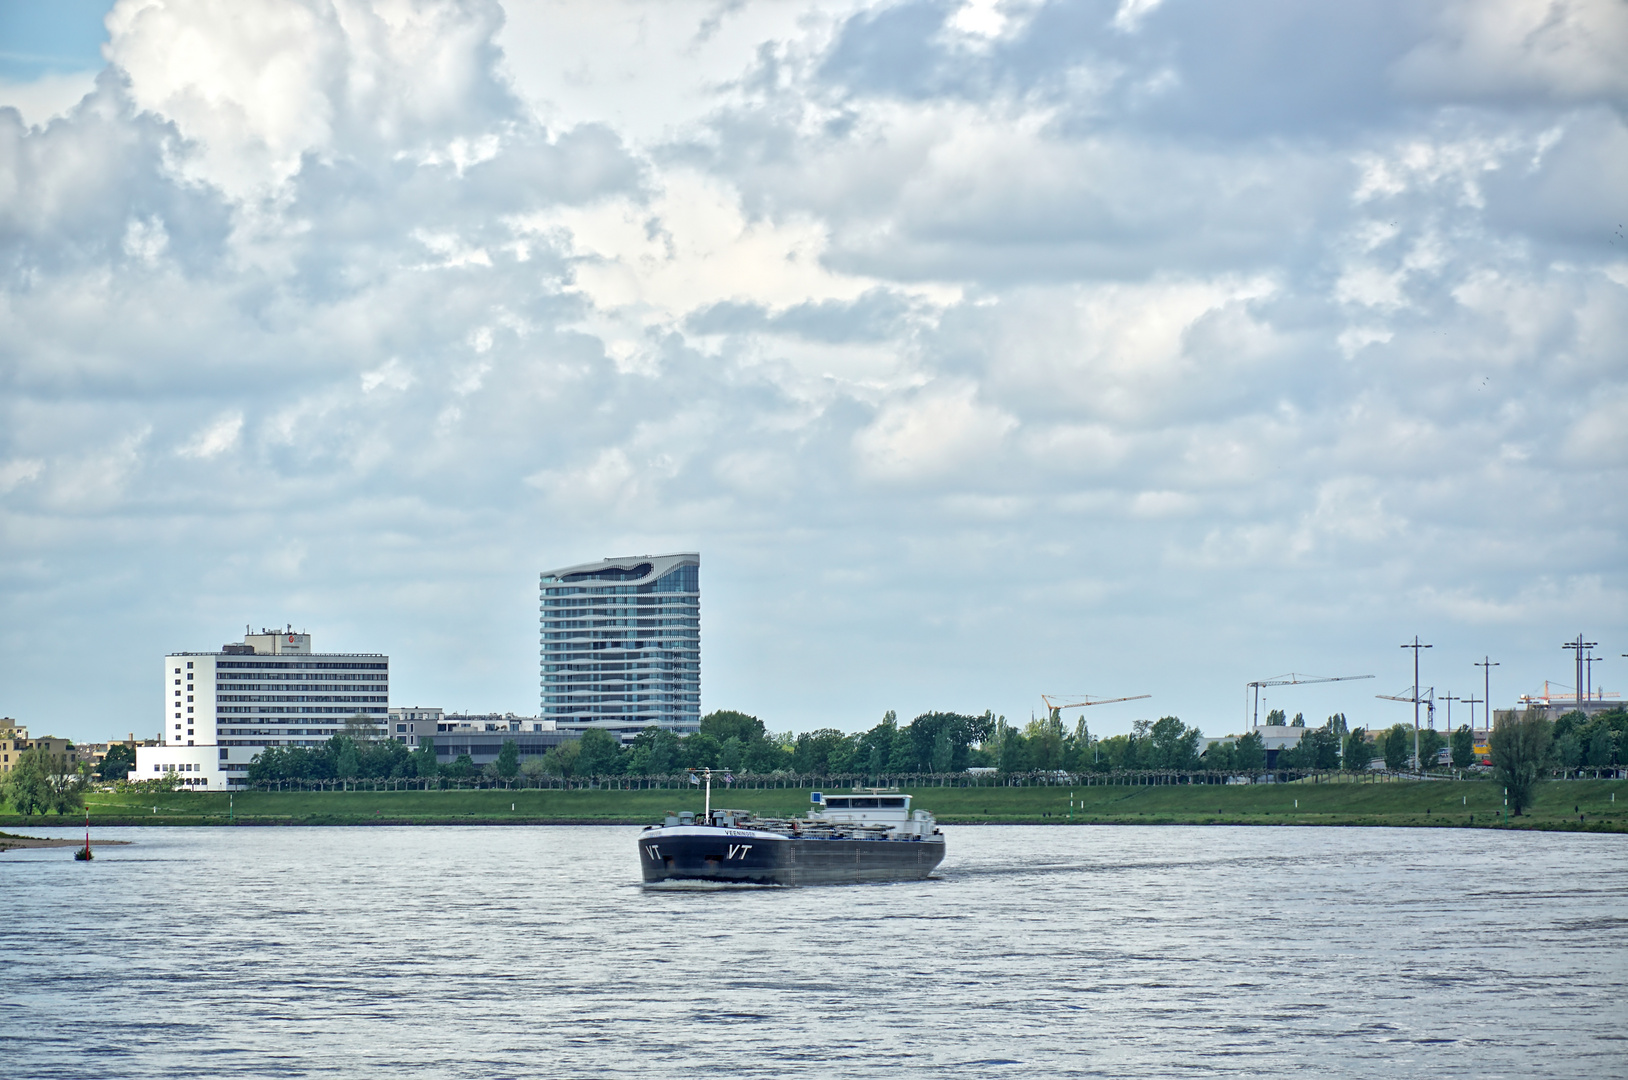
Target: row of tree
[936,742]
[1591,742]
[932,742]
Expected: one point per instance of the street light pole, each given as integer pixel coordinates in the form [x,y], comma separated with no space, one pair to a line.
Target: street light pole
[1578,647]
[1415,646]
[1486,665]
[1472,702]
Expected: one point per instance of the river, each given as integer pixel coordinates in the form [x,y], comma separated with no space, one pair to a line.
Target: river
[1036,951]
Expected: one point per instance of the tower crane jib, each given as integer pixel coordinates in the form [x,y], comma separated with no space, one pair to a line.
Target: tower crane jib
[1291,679]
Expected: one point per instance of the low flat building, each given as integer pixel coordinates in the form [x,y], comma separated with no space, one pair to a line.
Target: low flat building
[1553,708]
[482,736]
[194,767]
[406,724]
[1276,738]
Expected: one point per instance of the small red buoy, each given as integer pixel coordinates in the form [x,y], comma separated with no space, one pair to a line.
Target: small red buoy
[85,855]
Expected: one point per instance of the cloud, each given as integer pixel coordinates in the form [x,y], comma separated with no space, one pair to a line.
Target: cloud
[15,473]
[214,440]
[930,435]
[1508,50]
[965,339]
[51,95]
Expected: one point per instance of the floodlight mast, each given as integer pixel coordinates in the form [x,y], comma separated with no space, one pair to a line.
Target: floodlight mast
[1291,679]
[1578,647]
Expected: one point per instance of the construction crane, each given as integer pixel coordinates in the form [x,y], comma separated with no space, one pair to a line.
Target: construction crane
[1291,679]
[1055,709]
[1428,700]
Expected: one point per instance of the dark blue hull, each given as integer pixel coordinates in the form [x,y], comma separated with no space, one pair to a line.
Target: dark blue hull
[733,856]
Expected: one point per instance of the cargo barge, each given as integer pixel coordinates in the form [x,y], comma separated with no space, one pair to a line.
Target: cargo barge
[867,835]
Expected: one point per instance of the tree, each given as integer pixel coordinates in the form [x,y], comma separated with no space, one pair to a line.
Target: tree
[961,730]
[1045,741]
[424,763]
[1430,744]
[1249,752]
[508,760]
[1298,721]
[1463,747]
[1219,757]
[726,723]
[1276,718]
[876,744]
[1318,748]
[842,757]
[119,760]
[1014,752]
[599,753]
[1175,745]
[698,751]
[1397,746]
[1568,750]
[347,763]
[561,761]
[943,752]
[532,768]
[1521,744]
[901,753]
[1600,749]
[1116,752]
[40,782]
[1359,752]
[28,786]
[68,784]
[763,756]
[462,767]
[361,728]
[816,749]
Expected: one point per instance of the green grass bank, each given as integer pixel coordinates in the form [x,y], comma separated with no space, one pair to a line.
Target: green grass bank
[1590,805]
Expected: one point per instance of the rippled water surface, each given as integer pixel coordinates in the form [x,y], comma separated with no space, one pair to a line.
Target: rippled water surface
[1090,951]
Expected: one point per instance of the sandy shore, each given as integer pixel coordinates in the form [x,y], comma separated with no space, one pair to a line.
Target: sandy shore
[9,840]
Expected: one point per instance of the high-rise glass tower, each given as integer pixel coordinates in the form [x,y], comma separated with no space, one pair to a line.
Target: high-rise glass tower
[621,644]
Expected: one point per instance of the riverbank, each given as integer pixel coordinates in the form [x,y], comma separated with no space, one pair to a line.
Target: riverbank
[1588,805]
[11,840]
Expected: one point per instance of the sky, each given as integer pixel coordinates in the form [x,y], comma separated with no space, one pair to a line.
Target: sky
[983,349]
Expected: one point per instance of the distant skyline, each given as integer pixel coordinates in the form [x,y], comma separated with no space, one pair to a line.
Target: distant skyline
[983,349]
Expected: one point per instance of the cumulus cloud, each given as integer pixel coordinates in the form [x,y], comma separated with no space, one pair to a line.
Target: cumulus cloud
[214,440]
[965,339]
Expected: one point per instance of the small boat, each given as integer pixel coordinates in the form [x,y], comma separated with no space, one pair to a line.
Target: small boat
[868,834]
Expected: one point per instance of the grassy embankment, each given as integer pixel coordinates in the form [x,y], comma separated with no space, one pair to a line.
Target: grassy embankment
[1441,804]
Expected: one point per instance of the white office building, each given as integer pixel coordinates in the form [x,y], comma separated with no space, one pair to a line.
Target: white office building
[621,644]
[222,708]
